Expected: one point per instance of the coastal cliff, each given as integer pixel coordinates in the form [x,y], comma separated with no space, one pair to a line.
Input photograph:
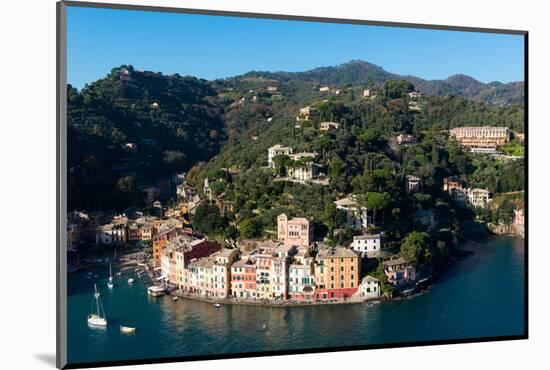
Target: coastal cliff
[515,230]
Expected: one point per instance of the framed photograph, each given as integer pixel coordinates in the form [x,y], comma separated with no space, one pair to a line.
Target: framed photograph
[236,185]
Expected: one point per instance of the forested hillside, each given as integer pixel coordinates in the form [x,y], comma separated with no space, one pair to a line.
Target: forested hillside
[134,128]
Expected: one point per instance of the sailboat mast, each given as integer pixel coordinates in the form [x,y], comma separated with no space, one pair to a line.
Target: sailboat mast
[97,301]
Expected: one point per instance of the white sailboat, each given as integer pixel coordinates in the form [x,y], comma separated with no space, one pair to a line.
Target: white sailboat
[97,318]
[110,283]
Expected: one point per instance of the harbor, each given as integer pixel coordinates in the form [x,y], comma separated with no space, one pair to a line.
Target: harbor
[186,327]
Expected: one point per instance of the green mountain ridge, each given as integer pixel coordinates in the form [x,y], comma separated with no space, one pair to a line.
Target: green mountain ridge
[359,72]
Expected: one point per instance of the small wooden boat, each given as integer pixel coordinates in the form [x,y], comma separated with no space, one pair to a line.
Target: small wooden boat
[127,329]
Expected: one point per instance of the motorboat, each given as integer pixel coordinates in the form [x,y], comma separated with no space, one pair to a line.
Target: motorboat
[127,329]
[130,280]
[217,305]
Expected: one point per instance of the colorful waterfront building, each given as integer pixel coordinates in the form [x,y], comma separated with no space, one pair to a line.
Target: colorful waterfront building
[369,288]
[200,277]
[263,261]
[302,277]
[243,279]
[336,273]
[399,272]
[164,234]
[178,252]
[223,260]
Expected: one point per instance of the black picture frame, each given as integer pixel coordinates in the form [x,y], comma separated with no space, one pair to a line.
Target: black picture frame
[61,188]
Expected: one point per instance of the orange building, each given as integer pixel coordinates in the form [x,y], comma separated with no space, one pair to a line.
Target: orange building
[159,241]
[336,273]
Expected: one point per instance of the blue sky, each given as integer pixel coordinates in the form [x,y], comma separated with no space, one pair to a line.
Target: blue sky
[215,47]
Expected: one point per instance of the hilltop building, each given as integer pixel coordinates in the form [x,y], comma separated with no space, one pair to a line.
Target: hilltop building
[305,113]
[412,184]
[479,198]
[405,139]
[356,215]
[276,150]
[483,139]
[304,167]
[329,126]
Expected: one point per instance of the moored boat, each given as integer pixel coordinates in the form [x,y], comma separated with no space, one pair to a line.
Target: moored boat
[155,291]
[130,280]
[97,318]
[127,329]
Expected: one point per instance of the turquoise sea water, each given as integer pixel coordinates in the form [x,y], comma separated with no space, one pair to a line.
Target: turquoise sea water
[480,296]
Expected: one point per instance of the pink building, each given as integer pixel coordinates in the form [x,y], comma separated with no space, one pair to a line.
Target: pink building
[294,231]
[399,272]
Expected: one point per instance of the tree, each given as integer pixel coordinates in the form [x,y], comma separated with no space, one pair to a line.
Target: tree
[250,228]
[333,217]
[377,202]
[282,163]
[415,247]
[207,220]
[394,89]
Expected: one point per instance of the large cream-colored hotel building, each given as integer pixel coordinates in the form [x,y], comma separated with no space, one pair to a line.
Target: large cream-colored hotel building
[485,136]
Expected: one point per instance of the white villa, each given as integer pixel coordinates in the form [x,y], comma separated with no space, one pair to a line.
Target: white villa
[276,150]
[306,170]
[367,243]
[356,215]
[369,288]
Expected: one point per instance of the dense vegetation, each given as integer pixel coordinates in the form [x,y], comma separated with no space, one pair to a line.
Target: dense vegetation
[361,158]
[173,121]
[221,130]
